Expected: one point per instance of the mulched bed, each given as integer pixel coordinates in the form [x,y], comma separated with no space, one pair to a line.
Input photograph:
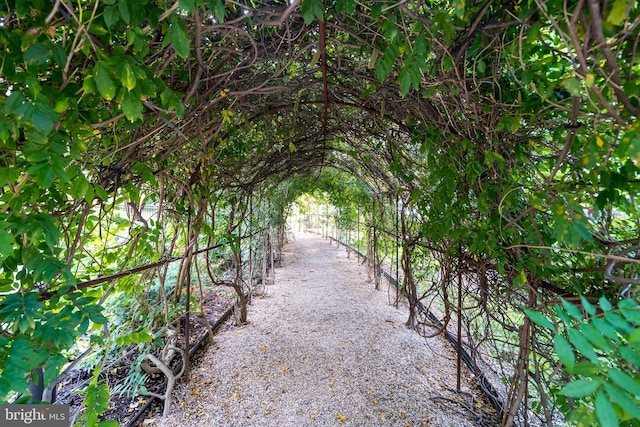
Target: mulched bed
[122,407]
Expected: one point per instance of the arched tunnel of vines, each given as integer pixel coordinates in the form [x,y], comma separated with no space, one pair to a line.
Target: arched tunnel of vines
[481,158]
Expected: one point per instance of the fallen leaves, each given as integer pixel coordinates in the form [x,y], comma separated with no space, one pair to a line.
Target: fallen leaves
[341,417]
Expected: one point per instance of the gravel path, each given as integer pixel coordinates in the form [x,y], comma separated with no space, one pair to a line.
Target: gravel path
[323,348]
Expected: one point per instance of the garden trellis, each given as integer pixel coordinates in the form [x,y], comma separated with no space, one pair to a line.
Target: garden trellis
[499,138]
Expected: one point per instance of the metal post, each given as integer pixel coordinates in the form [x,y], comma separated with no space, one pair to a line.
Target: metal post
[459,344]
[250,242]
[357,233]
[397,301]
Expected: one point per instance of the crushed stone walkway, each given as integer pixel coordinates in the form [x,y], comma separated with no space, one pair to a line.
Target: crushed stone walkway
[323,348]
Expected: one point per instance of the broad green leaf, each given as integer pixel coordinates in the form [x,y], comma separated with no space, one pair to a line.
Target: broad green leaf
[36,54]
[582,345]
[79,187]
[217,6]
[595,337]
[6,242]
[42,122]
[100,192]
[179,37]
[630,311]
[103,81]
[586,369]
[626,382]
[13,102]
[128,77]
[132,106]
[572,85]
[540,319]
[520,280]
[111,16]
[572,310]
[52,368]
[588,307]
[605,329]
[631,355]
[618,12]
[346,6]
[187,5]
[623,400]
[404,80]
[564,352]
[310,9]
[581,388]
[459,7]
[605,412]
[604,303]
[125,10]
[618,322]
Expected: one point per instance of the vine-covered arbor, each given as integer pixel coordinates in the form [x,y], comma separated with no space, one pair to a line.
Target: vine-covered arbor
[493,145]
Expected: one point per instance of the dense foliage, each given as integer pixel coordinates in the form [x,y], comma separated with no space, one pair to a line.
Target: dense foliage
[497,139]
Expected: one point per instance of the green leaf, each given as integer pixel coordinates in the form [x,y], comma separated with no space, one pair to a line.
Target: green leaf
[13,102]
[218,9]
[623,400]
[128,77]
[6,243]
[346,6]
[36,54]
[111,16]
[618,322]
[595,337]
[80,187]
[404,80]
[618,12]
[630,311]
[520,279]
[110,423]
[132,106]
[53,367]
[459,6]
[582,345]
[572,85]
[581,388]
[540,319]
[187,5]
[586,369]
[103,82]
[624,381]
[630,355]
[42,122]
[125,11]
[604,303]
[588,307]
[605,412]
[98,318]
[179,37]
[100,192]
[572,310]
[311,9]
[564,352]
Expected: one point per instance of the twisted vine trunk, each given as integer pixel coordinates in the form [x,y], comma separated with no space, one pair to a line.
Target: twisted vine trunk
[518,389]
[242,297]
[409,284]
